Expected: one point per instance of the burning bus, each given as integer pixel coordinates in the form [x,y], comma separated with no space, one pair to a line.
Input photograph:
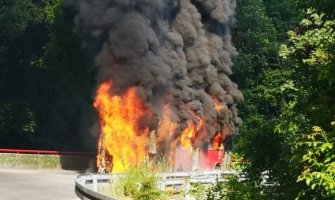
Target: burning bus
[124,141]
[209,157]
[163,70]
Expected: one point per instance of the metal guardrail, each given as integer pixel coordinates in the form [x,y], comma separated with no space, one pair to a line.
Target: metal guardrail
[182,178]
[87,184]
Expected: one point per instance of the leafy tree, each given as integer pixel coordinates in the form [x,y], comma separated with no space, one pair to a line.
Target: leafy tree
[294,92]
[16,115]
[268,134]
[324,6]
[317,154]
[45,79]
[311,55]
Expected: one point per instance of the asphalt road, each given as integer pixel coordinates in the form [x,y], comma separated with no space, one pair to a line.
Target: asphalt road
[19,184]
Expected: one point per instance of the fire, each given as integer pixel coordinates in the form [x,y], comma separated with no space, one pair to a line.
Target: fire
[217,141]
[121,134]
[218,106]
[124,141]
[187,136]
[190,133]
[166,130]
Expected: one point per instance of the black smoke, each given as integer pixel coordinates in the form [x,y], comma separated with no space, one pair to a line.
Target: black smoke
[176,52]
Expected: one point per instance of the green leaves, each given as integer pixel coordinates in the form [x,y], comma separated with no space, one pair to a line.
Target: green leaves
[318,160]
[15,17]
[45,79]
[50,10]
[266,134]
[314,47]
[139,183]
[289,87]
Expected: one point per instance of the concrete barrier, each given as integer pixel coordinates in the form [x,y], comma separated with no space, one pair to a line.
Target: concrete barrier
[44,161]
[29,161]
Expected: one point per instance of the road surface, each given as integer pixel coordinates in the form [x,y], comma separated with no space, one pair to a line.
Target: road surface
[37,184]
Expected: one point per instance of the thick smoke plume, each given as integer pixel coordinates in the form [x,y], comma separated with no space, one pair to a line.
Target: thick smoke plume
[175,52]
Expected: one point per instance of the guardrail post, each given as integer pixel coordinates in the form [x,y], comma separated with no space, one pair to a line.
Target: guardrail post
[95,182]
[187,189]
[162,184]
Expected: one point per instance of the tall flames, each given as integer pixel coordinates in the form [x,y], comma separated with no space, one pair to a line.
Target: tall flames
[124,140]
[170,61]
[190,133]
[121,134]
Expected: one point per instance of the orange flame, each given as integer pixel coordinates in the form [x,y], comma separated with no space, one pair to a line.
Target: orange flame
[217,140]
[166,130]
[166,127]
[123,138]
[218,106]
[189,134]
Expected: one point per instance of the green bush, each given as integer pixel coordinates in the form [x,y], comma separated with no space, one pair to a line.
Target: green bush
[317,155]
[231,189]
[198,191]
[139,183]
[240,190]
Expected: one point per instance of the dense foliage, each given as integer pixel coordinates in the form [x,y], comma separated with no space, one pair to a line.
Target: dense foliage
[45,81]
[285,69]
